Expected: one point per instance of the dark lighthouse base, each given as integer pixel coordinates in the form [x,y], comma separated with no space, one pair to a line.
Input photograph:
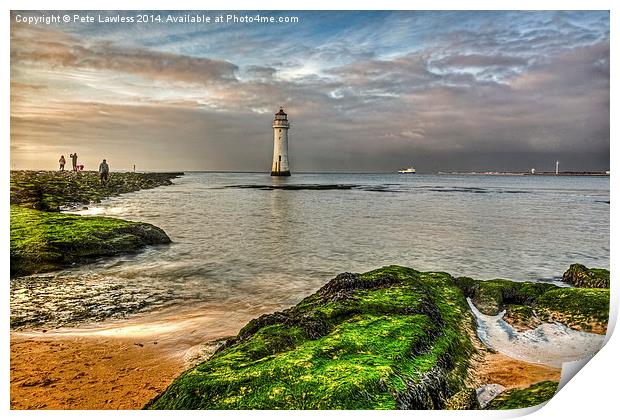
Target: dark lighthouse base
[280,173]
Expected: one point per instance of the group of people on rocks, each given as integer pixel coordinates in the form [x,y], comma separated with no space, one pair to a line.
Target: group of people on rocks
[73,157]
[104,168]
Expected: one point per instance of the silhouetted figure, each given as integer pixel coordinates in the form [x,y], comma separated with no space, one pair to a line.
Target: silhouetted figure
[62,162]
[104,170]
[73,157]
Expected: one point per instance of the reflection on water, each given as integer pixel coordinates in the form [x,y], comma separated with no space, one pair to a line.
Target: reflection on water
[260,249]
[547,344]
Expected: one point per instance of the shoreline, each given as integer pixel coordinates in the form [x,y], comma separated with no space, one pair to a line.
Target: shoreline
[599,174]
[119,364]
[125,365]
[94,373]
[391,313]
[86,373]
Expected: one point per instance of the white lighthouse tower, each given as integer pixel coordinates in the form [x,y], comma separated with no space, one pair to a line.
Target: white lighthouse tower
[280,167]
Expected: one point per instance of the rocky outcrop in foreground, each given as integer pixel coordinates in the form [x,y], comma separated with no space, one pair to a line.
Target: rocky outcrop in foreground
[528,397]
[392,338]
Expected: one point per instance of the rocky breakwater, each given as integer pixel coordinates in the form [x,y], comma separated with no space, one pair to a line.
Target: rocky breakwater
[43,239]
[392,338]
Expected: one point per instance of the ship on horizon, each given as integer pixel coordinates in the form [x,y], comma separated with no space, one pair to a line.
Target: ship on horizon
[410,170]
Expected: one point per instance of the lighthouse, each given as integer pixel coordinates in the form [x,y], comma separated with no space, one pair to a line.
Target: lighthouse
[280,167]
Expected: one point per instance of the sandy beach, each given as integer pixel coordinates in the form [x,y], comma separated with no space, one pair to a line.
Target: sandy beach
[117,365]
[498,368]
[87,372]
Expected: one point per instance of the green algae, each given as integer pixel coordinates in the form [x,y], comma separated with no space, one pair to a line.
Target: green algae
[522,398]
[44,241]
[581,276]
[391,338]
[463,400]
[521,317]
[491,296]
[50,190]
[527,304]
[579,308]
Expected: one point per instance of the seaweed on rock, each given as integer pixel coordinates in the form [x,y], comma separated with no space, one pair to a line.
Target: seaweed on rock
[578,308]
[50,190]
[528,304]
[45,241]
[491,296]
[387,339]
[581,276]
[521,398]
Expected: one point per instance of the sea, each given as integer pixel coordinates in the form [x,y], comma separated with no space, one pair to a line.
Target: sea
[249,243]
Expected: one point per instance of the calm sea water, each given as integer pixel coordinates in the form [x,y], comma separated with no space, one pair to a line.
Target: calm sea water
[252,241]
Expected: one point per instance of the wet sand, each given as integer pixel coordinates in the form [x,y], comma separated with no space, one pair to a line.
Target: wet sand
[87,373]
[497,368]
[117,365]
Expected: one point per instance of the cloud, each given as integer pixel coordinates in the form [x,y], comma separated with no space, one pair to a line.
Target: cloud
[53,49]
[260,72]
[479,60]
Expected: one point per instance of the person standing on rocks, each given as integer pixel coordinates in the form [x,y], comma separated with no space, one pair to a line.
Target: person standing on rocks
[104,170]
[62,162]
[73,157]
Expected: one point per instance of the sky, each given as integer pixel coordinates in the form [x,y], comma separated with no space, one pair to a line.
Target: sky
[364,91]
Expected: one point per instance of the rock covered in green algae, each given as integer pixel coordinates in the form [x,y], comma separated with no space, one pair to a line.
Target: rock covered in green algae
[521,398]
[465,399]
[579,308]
[527,304]
[50,190]
[522,317]
[491,296]
[45,241]
[581,276]
[392,338]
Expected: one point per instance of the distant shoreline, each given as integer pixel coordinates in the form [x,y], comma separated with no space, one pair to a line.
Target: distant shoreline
[496,173]
[528,173]
[568,173]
